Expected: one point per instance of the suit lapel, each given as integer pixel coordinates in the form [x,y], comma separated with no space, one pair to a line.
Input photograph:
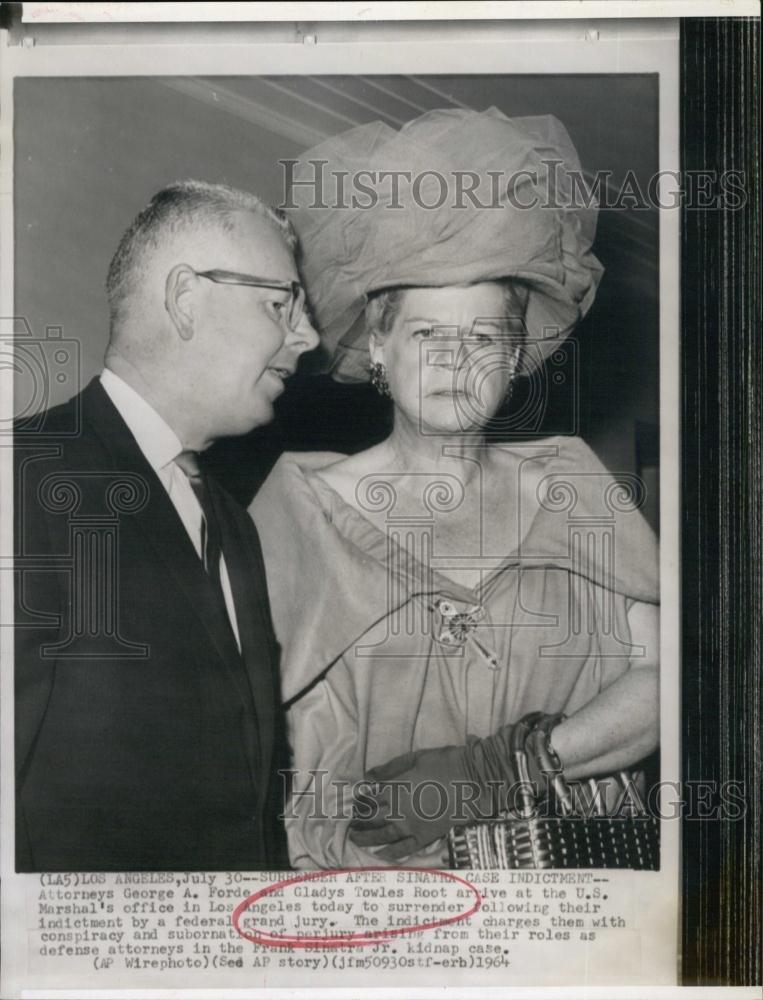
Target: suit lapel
[163,529]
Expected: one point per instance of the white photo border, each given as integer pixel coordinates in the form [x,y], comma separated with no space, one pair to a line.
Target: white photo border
[568,47]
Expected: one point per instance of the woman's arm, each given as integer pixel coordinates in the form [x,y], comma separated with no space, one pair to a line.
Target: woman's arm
[621,725]
[328,744]
[613,731]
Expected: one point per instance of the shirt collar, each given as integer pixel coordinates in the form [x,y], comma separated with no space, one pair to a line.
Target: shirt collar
[155,438]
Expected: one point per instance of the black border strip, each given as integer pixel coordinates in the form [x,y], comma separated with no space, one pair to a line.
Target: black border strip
[722,491]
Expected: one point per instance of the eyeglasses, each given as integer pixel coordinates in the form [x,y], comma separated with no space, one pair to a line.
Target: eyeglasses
[295,306]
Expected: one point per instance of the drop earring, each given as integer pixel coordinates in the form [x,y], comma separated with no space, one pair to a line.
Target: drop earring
[379,378]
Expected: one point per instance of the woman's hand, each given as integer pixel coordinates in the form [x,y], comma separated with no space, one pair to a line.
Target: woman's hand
[411,801]
[416,798]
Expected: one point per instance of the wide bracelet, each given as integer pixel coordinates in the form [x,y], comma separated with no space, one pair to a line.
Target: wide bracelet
[520,735]
[537,745]
[547,757]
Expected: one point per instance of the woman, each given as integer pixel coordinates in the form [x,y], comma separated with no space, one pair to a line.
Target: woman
[432,590]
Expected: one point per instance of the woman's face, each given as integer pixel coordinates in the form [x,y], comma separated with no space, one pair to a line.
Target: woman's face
[450,355]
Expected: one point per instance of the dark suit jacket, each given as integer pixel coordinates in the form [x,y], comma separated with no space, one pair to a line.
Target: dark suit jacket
[144,739]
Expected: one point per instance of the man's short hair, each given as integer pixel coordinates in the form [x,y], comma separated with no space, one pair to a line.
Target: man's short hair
[189,204]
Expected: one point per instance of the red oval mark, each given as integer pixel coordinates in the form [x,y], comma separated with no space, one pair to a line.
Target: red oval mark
[351,938]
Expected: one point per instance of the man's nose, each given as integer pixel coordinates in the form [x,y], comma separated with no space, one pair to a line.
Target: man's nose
[305,337]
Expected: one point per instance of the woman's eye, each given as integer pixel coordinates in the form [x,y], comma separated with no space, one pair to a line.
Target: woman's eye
[422,332]
[484,334]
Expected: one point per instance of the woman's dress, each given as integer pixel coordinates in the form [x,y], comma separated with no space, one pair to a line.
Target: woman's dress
[382,653]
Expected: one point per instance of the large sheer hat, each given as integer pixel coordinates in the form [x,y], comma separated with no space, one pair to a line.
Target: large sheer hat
[454,197]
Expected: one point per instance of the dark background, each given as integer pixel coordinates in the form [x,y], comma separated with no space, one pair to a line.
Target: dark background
[91,152]
[722,506]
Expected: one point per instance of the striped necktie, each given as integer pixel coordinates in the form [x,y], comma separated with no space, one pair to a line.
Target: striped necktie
[211,539]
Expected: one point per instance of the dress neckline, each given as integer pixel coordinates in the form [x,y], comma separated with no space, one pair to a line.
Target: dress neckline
[379,547]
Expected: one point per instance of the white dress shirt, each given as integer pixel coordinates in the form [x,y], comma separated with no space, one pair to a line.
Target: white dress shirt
[161,446]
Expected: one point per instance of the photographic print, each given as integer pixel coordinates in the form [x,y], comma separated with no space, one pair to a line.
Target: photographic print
[345,450]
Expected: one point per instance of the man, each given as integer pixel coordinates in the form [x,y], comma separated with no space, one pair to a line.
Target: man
[149,732]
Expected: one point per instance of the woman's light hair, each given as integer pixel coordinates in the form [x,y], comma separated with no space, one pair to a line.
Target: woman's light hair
[383,307]
[186,204]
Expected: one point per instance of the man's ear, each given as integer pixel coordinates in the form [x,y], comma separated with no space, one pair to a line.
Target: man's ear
[178,300]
